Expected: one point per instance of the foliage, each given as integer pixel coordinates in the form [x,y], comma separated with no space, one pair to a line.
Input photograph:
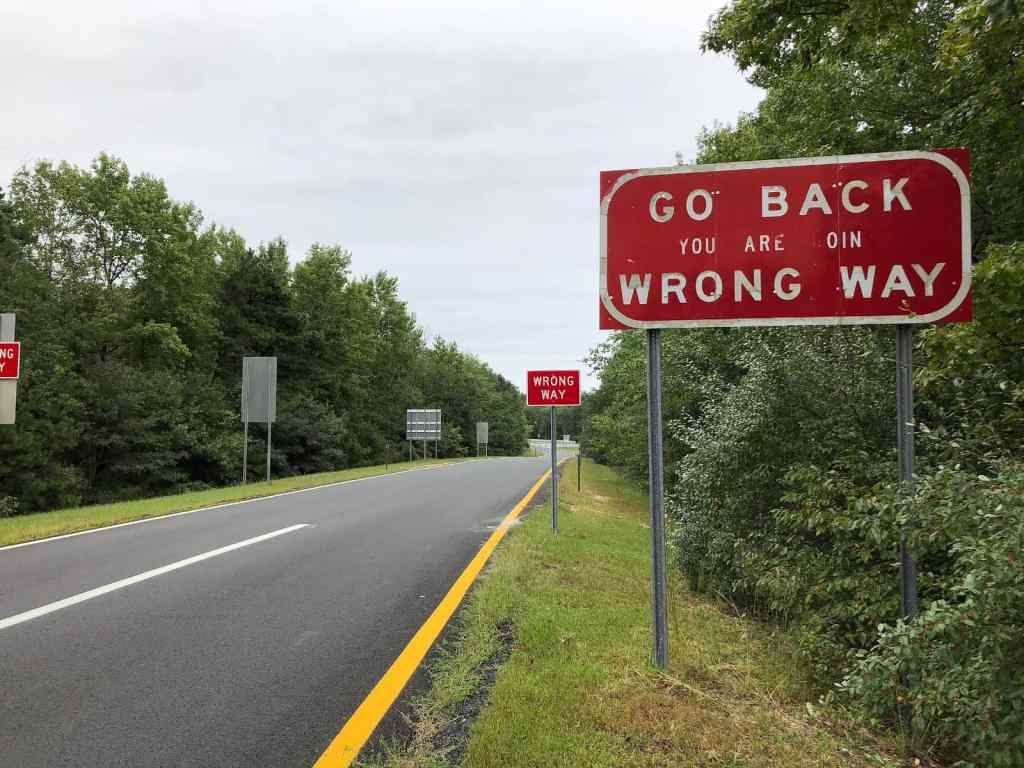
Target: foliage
[569,420]
[135,317]
[963,654]
[467,391]
[796,396]
[866,76]
[8,506]
[615,416]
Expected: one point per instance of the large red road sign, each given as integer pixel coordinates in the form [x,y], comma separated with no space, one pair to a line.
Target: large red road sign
[10,359]
[552,387]
[882,238]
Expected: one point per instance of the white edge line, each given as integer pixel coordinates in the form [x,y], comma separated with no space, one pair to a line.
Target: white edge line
[156,518]
[81,597]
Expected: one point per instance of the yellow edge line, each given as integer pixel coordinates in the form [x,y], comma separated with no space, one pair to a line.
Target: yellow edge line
[356,732]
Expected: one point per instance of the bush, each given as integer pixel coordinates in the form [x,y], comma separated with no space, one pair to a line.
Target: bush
[8,506]
[964,655]
[823,561]
[789,398]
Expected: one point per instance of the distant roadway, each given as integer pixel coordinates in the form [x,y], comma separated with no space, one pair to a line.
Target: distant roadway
[243,635]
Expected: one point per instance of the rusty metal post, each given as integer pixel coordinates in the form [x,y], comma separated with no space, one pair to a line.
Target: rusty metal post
[905,438]
[655,463]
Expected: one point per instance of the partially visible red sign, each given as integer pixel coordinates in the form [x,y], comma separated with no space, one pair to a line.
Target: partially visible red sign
[10,359]
[552,387]
[882,238]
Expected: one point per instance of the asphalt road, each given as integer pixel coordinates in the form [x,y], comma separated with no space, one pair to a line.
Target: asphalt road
[254,656]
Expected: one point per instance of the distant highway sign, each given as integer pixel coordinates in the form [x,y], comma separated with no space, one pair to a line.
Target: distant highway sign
[259,389]
[423,424]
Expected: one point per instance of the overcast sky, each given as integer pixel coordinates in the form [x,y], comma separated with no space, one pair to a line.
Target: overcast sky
[456,145]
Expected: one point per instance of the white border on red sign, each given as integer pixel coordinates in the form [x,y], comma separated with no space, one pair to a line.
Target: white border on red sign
[931,317]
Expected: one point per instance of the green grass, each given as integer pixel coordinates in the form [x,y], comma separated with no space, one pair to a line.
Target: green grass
[40,525]
[578,688]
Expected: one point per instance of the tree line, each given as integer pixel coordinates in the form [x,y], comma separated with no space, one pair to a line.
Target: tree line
[134,317]
[782,486]
[568,421]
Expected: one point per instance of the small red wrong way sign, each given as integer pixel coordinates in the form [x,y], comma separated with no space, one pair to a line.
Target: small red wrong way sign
[552,387]
[10,359]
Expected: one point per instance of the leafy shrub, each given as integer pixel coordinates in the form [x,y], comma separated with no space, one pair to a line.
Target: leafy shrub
[824,559]
[964,654]
[790,398]
[8,506]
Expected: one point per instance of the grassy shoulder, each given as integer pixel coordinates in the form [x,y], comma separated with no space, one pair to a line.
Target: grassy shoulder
[41,525]
[561,625]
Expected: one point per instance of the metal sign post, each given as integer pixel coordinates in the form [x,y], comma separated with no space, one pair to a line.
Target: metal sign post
[554,473]
[905,442]
[656,475]
[270,424]
[905,438]
[245,429]
[8,387]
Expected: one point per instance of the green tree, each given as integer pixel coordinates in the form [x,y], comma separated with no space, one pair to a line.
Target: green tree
[135,320]
[865,76]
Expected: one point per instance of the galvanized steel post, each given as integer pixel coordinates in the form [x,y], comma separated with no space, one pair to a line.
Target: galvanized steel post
[8,388]
[270,427]
[905,439]
[245,449]
[554,472]
[245,429]
[654,448]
